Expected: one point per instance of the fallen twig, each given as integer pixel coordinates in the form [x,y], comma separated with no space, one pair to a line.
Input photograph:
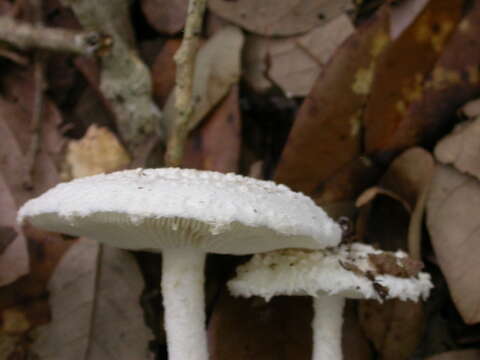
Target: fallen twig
[125,80]
[26,36]
[185,61]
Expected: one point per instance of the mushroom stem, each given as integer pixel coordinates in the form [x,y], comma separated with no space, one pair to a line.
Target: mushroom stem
[327,327]
[183,300]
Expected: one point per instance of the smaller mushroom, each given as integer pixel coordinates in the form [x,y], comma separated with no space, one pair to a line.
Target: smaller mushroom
[355,271]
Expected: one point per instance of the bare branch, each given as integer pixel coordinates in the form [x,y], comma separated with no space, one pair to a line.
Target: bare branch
[26,36]
[185,61]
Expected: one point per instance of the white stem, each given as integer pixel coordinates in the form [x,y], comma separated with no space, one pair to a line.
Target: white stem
[184,303]
[327,327]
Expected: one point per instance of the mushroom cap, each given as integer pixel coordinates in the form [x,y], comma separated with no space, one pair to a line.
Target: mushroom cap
[154,209]
[345,271]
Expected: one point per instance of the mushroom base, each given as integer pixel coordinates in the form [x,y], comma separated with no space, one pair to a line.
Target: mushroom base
[183,300]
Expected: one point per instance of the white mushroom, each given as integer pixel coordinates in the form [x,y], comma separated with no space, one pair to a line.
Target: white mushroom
[355,271]
[184,214]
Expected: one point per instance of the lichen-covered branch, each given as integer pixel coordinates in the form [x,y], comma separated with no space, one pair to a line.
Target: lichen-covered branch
[185,61]
[26,36]
[125,80]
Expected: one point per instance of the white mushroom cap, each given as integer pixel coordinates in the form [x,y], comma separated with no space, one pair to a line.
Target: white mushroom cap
[345,271]
[211,211]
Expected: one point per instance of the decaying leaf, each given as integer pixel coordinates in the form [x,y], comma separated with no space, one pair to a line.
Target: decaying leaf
[217,68]
[94,295]
[389,264]
[98,151]
[7,235]
[15,172]
[238,326]
[14,254]
[163,71]
[215,145]
[326,135]
[400,110]
[271,17]
[457,355]
[165,16]
[295,62]
[461,148]
[452,206]
[397,338]
[238,329]
[403,14]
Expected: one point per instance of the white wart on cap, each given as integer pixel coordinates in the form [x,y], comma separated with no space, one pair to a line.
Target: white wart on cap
[356,271]
[184,214]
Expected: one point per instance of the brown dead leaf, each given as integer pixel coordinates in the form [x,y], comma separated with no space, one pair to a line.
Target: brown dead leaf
[163,71]
[215,145]
[98,151]
[98,292]
[403,14]
[417,99]
[461,148]
[457,355]
[389,264]
[397,338]
[282,18]
[217,68]
[15,138]
[452,204]
[238,327]
[295,62]
[7,235]
[326,135]
[166,17]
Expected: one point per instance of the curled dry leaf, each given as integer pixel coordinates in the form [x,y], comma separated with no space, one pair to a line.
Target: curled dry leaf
[271,17]
[400,78]
[461,148]
[386,222]
[94,294]
[457,355]
[451,207]
[406,181]
[217,68]
[326,134]
[165,16]
[98,151]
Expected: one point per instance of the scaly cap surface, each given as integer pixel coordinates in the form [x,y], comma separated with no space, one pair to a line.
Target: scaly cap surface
[344,271]
[152,209]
